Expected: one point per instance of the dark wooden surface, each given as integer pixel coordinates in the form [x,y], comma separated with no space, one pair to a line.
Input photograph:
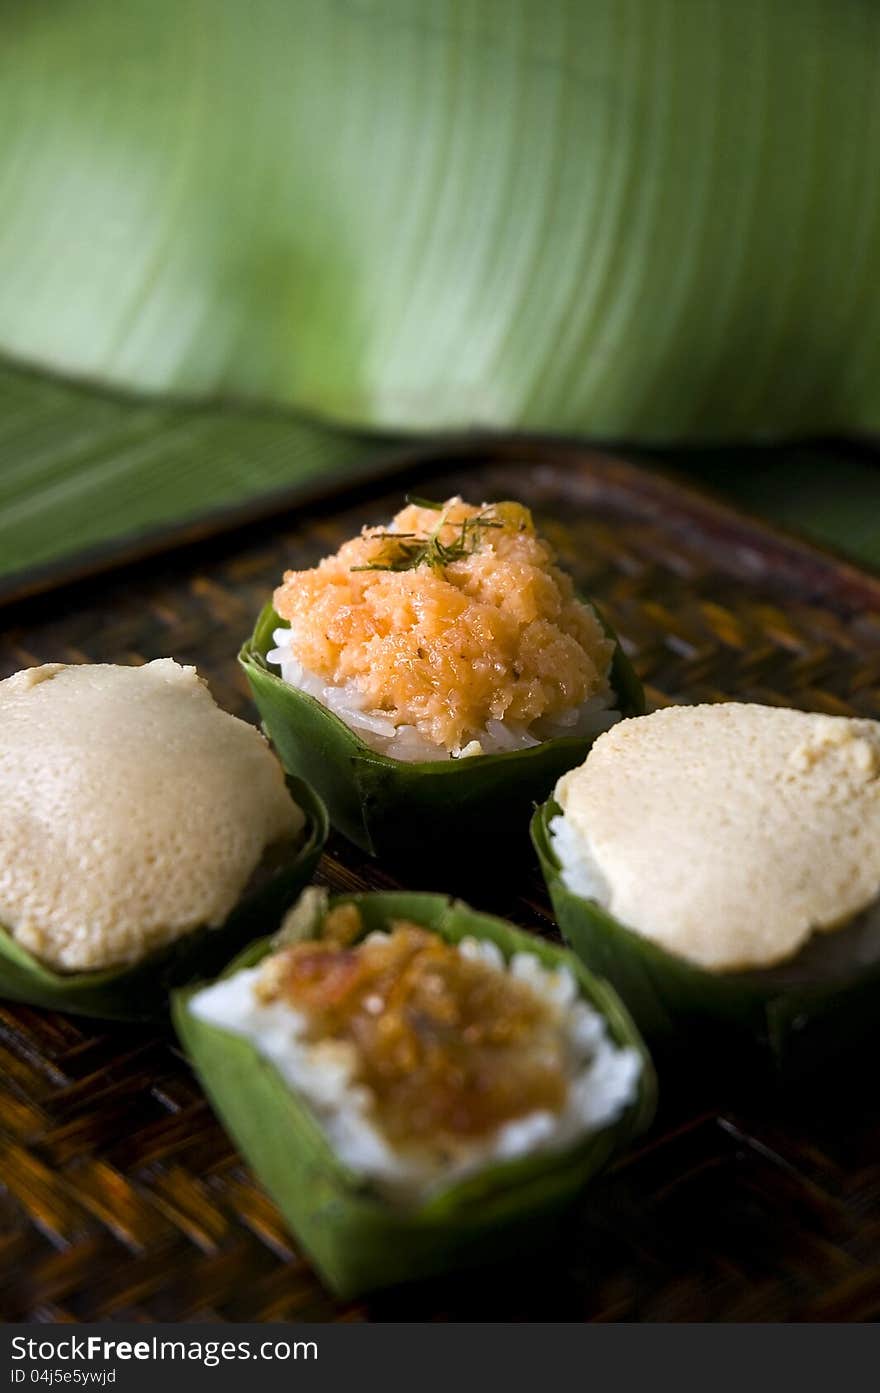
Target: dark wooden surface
[121,1197]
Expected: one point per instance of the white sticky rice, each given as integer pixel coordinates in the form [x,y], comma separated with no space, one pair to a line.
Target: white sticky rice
[579,869]
[405,742]
[602,1078]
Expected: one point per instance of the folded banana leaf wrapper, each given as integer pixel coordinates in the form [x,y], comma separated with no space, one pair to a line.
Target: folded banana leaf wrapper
[358,1240]
[140,992]
[653,220]
[777,1017]
[468,809]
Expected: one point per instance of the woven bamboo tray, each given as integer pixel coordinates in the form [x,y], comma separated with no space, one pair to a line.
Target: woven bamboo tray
[122,1198]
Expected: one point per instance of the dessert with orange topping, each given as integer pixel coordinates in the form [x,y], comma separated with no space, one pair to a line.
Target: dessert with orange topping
[450,632]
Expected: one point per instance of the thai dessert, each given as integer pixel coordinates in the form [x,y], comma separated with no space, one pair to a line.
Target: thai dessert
[426,1059]
[739,841]
[450,633]
[447,645]
[133,811]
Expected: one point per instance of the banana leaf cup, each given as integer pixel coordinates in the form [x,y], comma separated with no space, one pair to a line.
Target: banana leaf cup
[397,809]
[800,1015]
[140,992]
[357,1239]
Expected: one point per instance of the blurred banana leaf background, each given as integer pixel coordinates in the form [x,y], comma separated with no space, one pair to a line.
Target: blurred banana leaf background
[244,245]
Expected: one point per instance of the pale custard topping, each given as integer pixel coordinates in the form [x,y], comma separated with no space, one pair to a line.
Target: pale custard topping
[132,809]
[729,834]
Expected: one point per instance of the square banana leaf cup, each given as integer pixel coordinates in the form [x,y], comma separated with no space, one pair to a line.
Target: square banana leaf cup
[456,809]
[357,1239]
[140,992]
[778,1020]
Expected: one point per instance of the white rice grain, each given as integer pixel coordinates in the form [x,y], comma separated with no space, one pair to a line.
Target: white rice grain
[603,1078]
[404,742]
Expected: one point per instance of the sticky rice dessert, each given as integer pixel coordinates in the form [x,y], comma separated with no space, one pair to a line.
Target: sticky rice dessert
[739,838]
[424,1061]
[132,811]
[450,633]
[434,681]
[420,1087]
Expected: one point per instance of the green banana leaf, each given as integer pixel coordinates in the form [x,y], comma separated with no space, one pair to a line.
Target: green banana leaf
[798,1024]
[140,993]
[650,219]
[87,476]
[451,809]
[357,1240]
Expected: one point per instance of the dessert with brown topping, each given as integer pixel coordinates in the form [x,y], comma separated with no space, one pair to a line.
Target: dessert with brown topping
[425,1059]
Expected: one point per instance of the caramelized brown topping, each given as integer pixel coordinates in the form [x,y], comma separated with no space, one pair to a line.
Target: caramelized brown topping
[342,924]
[449,1047]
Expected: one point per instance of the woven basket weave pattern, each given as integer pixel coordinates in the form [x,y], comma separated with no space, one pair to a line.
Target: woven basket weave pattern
[121,1196]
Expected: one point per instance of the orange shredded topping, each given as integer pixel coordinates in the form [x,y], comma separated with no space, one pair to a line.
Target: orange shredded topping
[497,633]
